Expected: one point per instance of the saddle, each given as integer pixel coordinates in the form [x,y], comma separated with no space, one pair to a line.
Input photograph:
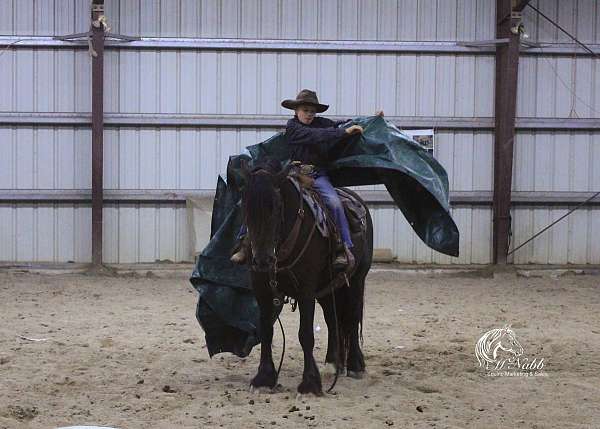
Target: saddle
[355,211]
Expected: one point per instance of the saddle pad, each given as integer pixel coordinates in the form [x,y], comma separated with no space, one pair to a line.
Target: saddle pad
[356,212]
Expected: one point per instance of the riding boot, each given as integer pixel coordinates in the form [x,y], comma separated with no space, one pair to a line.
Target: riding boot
[344,259]
[241,255]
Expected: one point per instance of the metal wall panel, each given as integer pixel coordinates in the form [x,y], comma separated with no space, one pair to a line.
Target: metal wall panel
[146,233]
[45,232]
[467,157]
[571,241]
[255,83]
[474,224]
[45,158]
[45,80]
[172,158]
[557,161]
[562,162]
[266,19]
[62,233]
[207,82]
[558,87]
[581,18]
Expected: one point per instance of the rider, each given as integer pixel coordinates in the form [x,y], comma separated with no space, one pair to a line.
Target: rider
[307,136]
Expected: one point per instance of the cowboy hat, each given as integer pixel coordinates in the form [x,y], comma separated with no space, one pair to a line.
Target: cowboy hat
[306,96]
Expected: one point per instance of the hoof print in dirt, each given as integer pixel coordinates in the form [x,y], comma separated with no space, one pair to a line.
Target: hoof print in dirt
[22,413]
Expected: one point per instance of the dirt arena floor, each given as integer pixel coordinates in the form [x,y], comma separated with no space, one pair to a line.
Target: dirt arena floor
[126,351]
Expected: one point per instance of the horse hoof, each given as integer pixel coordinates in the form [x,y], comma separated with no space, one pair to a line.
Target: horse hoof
[262,390]
[356,374]
[310,388]
[264,379]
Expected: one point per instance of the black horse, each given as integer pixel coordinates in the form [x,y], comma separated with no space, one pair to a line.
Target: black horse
[273,210]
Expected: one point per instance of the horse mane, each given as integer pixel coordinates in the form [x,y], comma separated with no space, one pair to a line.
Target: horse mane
[259,199]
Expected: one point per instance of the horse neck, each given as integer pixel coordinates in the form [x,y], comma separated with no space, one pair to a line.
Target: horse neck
[291,201]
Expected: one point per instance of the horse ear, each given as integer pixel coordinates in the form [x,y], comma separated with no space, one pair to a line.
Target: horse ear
[244,171]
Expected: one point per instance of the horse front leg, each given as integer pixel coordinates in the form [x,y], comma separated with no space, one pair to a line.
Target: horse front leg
[266,376]
[334,346]
[311,379]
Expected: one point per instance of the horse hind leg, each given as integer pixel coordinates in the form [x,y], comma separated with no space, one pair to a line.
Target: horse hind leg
[352,326]
[311,379]
[335,349]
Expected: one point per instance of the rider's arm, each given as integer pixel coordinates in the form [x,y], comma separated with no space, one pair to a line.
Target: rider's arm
[298,133]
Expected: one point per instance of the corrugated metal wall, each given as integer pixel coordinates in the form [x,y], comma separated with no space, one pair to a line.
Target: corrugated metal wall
[251,83]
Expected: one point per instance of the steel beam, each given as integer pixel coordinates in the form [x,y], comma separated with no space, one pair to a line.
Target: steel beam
[155,120]
[484,47]
[507,67]
[179,196]
[97,128]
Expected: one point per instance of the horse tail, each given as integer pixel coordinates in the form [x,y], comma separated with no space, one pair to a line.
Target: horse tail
[365,263]
[355,298]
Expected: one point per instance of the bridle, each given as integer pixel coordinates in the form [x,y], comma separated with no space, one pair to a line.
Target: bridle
[283,251]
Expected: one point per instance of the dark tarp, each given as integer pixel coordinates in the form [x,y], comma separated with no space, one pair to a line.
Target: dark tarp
[418,184]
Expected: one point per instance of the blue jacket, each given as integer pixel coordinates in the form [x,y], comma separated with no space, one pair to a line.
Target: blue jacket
[309,143]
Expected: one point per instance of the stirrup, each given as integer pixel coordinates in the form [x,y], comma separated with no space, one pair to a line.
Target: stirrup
[344,260]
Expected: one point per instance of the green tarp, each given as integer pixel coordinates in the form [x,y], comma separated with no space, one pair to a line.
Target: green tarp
[418,184]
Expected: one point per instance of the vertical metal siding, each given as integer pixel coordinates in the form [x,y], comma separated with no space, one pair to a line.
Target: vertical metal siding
[474,223]
[254,83]
[45,80]
[170,81]
[571,241]
[146,233]
[559,87]
[45,158]
[45,232]
[426,20]
[579,17]
[557,161]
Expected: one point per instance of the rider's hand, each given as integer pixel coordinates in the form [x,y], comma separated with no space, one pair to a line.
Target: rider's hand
[354,129]
[379,113]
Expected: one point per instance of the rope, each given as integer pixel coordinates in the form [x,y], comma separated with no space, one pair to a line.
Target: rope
[9,45]
[337,335]
[282,351]
[583,45]
[553,223]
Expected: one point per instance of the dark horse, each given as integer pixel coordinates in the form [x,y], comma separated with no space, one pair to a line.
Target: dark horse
[272,205]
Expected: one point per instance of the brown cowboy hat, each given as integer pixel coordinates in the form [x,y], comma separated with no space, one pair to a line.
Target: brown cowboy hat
[306,96]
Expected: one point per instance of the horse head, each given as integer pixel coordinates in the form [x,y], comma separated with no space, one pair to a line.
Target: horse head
[262,206]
